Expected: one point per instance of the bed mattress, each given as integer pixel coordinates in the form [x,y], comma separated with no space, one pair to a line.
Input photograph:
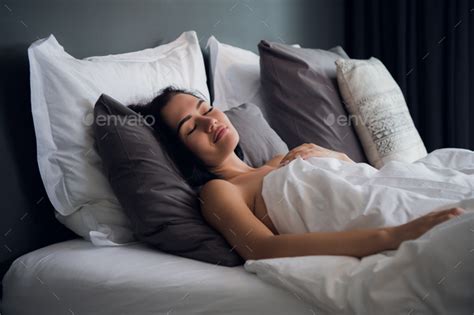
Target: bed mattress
[75,277]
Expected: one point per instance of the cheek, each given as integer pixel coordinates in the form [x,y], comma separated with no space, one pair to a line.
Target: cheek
[198,144]
[235,134]
[192,144]
[223,119]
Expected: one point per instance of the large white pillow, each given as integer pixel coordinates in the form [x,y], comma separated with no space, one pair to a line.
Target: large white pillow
[235,74]
[379,112]
[63,93]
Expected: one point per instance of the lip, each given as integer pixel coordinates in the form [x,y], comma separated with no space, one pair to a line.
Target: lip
[219,133]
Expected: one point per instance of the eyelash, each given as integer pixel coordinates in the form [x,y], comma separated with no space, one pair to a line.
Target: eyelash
[212,107]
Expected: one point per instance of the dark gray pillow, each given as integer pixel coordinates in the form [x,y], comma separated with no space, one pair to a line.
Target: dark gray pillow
[339,51]
[163,208]
[258,140]
[304,104]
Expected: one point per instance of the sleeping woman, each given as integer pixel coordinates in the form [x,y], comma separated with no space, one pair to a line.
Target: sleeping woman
[205,145]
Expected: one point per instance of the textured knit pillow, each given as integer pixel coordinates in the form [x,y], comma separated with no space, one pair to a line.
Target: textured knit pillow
[379,112]
[304,104]
[163,209]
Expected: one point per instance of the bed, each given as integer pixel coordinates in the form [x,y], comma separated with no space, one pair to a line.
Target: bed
[50,270]
[76,277]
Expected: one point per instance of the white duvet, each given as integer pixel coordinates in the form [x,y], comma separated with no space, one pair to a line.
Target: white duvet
[433,274]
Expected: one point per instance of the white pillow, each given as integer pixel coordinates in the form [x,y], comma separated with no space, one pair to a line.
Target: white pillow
[235,74]
[379,112]
[63,93]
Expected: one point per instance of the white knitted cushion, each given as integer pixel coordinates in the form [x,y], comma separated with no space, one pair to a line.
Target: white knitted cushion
[378,111]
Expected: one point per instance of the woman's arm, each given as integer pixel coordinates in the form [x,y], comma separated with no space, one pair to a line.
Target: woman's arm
[358,243]
[223,208]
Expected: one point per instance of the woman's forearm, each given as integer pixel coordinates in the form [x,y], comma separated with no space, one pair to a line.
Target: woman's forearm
[357,243]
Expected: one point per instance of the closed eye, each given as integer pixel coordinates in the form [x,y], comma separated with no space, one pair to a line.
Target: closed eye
[212,107]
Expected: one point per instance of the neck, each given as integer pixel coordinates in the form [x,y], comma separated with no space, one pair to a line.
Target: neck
[232,167]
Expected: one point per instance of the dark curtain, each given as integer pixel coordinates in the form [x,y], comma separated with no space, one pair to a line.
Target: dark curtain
[428,48]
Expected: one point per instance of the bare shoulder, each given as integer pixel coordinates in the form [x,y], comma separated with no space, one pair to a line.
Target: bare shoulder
[219,192]
[216,185]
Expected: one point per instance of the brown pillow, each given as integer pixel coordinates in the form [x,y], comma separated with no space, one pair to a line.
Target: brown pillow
[163,208]
[304,104]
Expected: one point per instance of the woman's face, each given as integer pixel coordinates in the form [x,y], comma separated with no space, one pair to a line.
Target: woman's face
[198,125]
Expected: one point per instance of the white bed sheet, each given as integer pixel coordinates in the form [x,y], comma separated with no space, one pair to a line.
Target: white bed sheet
[75,277]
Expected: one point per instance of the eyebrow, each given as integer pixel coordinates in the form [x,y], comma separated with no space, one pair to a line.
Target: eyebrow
[182,121]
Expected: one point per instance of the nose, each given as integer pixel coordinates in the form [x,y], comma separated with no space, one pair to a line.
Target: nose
[209,123]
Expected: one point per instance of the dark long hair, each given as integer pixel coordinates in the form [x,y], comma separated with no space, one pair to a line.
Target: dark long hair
[192,169]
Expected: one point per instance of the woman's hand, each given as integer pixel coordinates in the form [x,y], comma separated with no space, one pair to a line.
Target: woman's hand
[307,150]
[416,228]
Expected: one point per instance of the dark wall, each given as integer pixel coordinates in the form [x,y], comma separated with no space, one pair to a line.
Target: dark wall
[86,28]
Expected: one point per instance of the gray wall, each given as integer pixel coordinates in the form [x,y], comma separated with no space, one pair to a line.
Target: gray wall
[86,28]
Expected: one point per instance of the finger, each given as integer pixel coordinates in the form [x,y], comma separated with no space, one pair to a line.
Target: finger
[458,211]
[455,211]
[318,153]
[288,159]
[303,153]
[449,214]
[318,147]
[292,155]
[302,149]
[312,153]
[299,151]
[304,146]
[284,162]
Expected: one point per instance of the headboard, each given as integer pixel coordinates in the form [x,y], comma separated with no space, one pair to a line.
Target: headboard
[98,27]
